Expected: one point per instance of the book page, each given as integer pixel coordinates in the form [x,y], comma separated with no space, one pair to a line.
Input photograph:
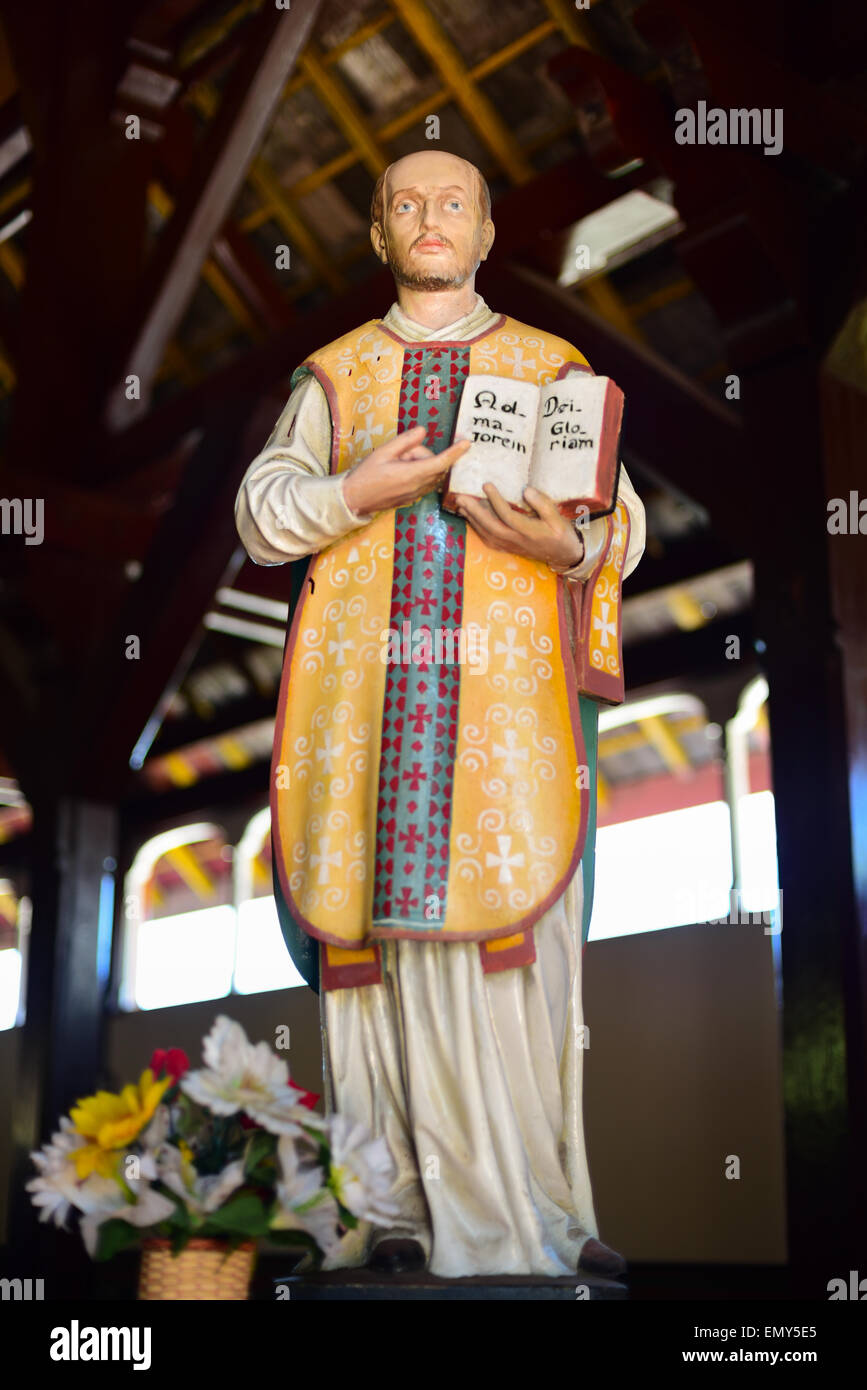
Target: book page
[499,416]
[570,457]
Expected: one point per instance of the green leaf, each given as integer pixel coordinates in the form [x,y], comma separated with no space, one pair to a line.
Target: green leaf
[180,1219]
[115,1236]
[179,1239]
[244,1213]
[347,1218]
[260,1157]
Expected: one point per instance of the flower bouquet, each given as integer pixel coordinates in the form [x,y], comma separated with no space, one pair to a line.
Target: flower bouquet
[215,1158]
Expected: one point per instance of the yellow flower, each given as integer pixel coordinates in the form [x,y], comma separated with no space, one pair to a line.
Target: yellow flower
[111,1122]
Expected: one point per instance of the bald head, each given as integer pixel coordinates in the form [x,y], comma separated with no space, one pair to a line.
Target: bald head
[431,221]
[480,183]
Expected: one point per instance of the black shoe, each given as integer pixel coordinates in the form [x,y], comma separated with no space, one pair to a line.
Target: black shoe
[397,1255]
[596,1258]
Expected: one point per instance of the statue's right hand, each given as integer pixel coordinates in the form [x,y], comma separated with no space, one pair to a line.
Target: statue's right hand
[398,472]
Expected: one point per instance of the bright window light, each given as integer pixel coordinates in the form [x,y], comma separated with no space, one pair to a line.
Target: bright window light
[10,987]
[680,868]
[759,871]
[662,871]
[184,958]
[626,227]
[262,960]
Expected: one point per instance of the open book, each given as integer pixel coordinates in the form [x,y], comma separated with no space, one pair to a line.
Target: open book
[562,438]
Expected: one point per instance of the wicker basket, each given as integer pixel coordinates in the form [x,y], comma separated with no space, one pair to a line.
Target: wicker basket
[202,1270]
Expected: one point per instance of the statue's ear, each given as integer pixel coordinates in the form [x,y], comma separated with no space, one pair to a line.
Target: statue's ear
[377,241]
[487,239]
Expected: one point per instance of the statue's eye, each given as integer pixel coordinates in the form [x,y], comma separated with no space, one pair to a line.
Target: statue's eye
[455,204]
[403,206]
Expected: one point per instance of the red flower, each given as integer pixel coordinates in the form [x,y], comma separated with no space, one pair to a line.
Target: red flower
[309,1099]
[173,1062]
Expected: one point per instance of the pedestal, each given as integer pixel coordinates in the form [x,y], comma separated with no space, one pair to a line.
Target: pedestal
[364,1284]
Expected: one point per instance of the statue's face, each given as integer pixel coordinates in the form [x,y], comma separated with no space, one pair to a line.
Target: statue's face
[433,236]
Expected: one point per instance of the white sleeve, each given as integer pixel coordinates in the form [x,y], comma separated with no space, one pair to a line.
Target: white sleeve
[288,504]
[593,533]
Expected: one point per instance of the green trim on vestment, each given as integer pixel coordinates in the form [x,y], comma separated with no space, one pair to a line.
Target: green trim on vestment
[303,949]
[590,726]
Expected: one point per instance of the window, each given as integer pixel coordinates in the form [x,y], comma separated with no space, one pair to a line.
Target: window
[261,959]
[200,920]
[14,937]
[709,851]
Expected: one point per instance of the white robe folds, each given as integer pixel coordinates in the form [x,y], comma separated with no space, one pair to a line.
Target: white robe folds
[475,1080]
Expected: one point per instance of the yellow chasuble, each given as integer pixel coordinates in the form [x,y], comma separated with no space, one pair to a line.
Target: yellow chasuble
[435,797]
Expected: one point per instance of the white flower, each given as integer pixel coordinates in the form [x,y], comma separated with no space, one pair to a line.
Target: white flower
[200,1195]
[153,1140]
[58,1180]
[241,1076]
[101,1199]
[305,1202]
[362,1171]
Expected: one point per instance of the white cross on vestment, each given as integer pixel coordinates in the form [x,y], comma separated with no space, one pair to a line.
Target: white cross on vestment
[364,436]
[510,752]
[516,360]
[325,860]
[509,648]
[504,860]
[603,626]
[339,645]
[329,752]
[373,353]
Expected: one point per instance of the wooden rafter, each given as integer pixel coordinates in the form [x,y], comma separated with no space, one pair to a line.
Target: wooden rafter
[396,125]
[80,270]
[276,39]
[663,738]
[479,110]
[193,551]
[344,110]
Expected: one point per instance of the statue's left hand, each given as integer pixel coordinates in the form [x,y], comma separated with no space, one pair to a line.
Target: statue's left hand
[546,535]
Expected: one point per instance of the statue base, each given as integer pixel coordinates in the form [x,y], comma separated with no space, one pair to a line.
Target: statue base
[364,1284]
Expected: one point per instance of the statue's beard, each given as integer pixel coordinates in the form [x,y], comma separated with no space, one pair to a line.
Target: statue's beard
[404,274]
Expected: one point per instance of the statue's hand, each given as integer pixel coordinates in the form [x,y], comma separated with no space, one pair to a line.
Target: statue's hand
[398,472]
[545,536]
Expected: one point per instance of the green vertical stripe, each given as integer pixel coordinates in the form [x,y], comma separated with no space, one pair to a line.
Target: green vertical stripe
[590,726]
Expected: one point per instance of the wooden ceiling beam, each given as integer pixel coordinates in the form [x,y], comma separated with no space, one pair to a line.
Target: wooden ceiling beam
[15,142]
[275,39]
[690,656]
[344,111]
[677,562]
[85,245]
[194,550]
[160,20]
[242,264]
[233,255]
[481,113]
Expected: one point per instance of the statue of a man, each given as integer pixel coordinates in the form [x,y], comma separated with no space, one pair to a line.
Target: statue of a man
[433,806]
